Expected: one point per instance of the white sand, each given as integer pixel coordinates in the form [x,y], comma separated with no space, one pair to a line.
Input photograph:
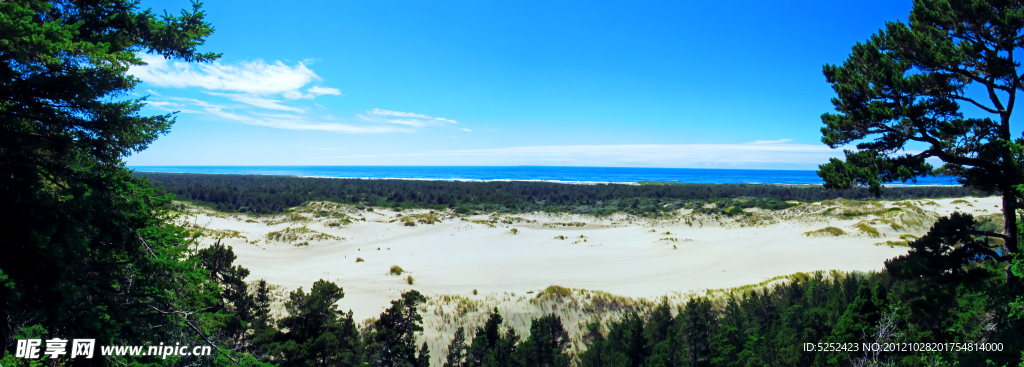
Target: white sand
[621,255]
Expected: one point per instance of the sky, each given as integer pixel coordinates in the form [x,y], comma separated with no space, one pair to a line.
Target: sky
[688,84]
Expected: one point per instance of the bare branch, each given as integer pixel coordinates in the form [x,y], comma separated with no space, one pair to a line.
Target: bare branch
[143,241]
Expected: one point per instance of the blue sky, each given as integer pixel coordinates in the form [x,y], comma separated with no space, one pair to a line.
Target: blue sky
[715,84]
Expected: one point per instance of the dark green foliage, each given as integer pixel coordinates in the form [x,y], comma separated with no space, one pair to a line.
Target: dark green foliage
[457,349]
[318,334]
[275,194]
[86,250]
[391,341]
[546,346]
[942,291]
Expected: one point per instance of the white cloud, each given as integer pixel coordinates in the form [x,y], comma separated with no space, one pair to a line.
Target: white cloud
[269,86]
[271,104]
[161,104]
[402,118]
[253,77]
[779,141]
[252,82]
[320,91]
[466,130]
[280,121]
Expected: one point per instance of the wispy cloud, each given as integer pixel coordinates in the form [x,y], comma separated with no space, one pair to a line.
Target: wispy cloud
[273,120]
[420,117]
[321,91]
[266,86]
[779,141]
[271,104]
[254,82]
[252,77]
[402,118]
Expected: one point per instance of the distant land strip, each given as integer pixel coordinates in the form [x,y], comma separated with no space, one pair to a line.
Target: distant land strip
[267,194]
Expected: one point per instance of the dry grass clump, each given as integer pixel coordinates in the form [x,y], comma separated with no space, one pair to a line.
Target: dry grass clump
[602,302]
[569,224]
[514,220]
[827,231]
[290,217]
[773,282]
[293,234]
[489,223]
[894,244]
[396,270]
[339,223]
[559,290]
[424,218]
[961,201]
[218,233]
[408,279]
[843,208]
[359,260]
[867,230]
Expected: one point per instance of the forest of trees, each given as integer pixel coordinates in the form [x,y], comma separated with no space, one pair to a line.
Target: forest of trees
[275,194]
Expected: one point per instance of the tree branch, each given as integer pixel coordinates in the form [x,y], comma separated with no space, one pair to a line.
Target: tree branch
[976,103]
[990,234]
[146,245]
[989,252]
[193,326]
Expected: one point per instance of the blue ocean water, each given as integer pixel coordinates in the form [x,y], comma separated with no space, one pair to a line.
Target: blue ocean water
[529,173]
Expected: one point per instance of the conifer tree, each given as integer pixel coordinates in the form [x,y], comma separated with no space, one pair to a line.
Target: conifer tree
[900,98]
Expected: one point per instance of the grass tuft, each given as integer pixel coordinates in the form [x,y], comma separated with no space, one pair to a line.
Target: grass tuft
[827,231]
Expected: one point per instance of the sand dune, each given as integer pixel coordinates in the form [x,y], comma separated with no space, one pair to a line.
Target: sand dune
[449,256]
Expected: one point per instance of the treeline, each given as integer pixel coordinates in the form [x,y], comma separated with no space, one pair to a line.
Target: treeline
[939,293]
[275,194]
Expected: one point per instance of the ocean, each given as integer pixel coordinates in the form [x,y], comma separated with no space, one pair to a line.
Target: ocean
[529,173]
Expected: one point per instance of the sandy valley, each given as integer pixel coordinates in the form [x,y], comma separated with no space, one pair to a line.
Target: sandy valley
[468,264]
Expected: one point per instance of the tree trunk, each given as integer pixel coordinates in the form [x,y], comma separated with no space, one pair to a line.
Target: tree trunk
[1010,231]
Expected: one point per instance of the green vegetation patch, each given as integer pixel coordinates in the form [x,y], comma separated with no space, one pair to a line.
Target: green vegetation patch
[293,234]
[827,231]
[867,230]
[570,224]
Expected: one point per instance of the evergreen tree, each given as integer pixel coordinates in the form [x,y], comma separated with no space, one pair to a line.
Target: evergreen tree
[391,342]
[546,346]
[457,349]
[694,328]
[86,249]
[905,85]
[318,334]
